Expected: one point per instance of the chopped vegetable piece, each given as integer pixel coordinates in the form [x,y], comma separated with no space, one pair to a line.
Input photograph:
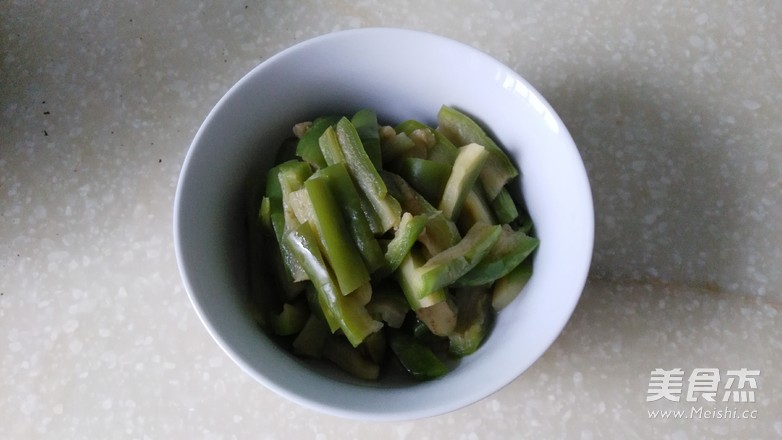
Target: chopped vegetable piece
[349,201]
[340,250]
[291,176]
[440,233]
[341,311]
[504,207]
[439,318]
[426,176]
[365,122]
[416,357]
[418,295]
[374,347]
[397,146]
[462,130]
[510,250]
[410,227]
[475,210]
[312,337]
[473,321]
[308,147]
[366,175]
[290,320]
[343,145]
[440,149]
[388,306]
[448,266]
[348,358]
[507,288]
[466,168]
[276,216]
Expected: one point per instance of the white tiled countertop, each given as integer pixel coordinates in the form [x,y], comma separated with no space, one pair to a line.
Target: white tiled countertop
[675,107]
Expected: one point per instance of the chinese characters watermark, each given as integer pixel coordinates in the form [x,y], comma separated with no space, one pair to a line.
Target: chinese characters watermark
[703,383]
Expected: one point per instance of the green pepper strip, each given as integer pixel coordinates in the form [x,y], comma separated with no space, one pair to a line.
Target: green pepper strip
[426,176]
[443,150]
[365,122]
[472,322]
[504,207]
[418,294]
[276,210]
[475,209]
[339,249]
[308,147]
[366,175]
[448,266]
[415,357]
[410,227]
[510,250]
[463,130]
[466,169]
[329,145]
[349,200]
[340,311]
[507,288]
[440,233]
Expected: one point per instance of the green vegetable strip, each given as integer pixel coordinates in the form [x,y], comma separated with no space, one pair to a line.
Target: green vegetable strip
[388,306]
[475,210]
[312,338]
[374,347]
[440,233]
[507,288]
[303,244]
[448,266]
[510,250]
[410,227]
[408,276]
[397,146]
[369,213]
[350,359]
[466,169]
[276,215]
[291,176]
[426,176]
[357,160]
[340,250]
[462,130]
[443,151]
[366,175]
[308,147]
[415,357]
[504,207]
[410,126]
[365,122]
[330,148]
[349,201]
[290,320]
[339,310]
[473,321]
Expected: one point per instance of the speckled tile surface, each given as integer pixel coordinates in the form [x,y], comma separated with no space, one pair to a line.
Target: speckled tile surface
[674,106]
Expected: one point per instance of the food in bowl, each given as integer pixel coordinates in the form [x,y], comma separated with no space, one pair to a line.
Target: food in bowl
[390,246]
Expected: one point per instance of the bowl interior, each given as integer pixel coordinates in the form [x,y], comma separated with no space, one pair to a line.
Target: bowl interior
[400,74]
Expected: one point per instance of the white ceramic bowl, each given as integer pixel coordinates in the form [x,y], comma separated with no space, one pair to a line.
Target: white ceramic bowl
[401,74]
